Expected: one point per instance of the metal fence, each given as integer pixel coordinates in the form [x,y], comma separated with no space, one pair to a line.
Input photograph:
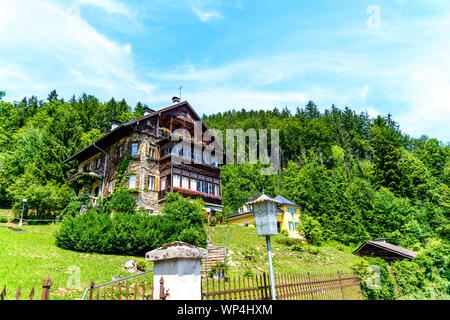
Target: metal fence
[44,294]
[300,286]
[122,290]
[15,224]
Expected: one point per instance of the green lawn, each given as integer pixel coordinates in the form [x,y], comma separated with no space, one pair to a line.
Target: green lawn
[249,252]
[27,257]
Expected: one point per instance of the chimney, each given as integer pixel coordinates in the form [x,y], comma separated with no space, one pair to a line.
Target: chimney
[380,240]
[147,111]
[176,100]
[115,124]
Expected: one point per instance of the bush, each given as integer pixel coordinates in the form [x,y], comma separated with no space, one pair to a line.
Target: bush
[410,279]
[121,201]
[219,266]
[131,233]
[376,281]
[251,254]
[312,230]
[290,241]
[141,265]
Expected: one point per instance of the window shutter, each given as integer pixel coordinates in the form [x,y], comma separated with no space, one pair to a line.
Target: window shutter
[157,183]
[137,181]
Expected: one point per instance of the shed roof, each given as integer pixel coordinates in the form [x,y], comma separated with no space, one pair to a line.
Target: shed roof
[389,247]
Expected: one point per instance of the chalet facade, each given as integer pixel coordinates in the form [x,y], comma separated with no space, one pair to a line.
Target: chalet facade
[144,156]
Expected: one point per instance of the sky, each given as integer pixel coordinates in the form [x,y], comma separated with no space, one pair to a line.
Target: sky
[377,56]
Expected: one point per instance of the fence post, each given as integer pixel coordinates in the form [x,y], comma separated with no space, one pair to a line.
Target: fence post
[3,294]
[340,284]
[91,290]
[46,288]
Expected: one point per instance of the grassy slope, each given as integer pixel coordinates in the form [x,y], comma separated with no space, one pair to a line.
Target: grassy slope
[27,257]
[331,258]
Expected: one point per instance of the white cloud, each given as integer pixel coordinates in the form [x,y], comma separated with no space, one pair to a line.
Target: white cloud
[110,6]
[205,15]
[49,46]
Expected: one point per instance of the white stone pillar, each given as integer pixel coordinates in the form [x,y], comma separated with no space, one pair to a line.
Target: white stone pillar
[179,265]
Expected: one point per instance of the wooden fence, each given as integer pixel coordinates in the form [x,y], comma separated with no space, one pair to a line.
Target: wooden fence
[44,294]
[120,291]
[301,286]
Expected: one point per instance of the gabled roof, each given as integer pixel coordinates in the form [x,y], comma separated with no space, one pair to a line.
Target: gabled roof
[283,200]
[125,129]
[389,247]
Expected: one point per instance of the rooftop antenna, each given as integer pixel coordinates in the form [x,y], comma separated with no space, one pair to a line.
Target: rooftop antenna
[179,88]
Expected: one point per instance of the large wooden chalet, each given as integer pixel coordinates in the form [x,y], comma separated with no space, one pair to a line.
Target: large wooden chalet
[155,165]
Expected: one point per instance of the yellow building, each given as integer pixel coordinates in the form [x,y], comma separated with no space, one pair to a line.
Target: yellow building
[288,216]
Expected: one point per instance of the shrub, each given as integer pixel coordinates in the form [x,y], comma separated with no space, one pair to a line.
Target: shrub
[312,230]
[376,281]
[248,273]
[141,265]
[219,266]
[121,201]
[250,254]
[410,279]
[133,234]
[290,241]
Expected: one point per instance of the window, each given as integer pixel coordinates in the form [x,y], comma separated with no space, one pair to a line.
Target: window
[163,183]
[132,182]
[111,186]
[86,167]
[98,162]
[201,185]
[292,212]
[134,148]
[152,151]
[216,190]
[193,184]
[241,210]
[208,188]
[185,182]
[183,113]
[151,183]
[176,180]
[119,151]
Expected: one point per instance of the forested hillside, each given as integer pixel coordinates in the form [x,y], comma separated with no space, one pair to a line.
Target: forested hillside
[355,177]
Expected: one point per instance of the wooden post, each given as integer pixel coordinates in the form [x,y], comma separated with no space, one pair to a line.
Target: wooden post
[3,294]
[340,284]
[91,290]
[46,288]
[18,293]
[32,293]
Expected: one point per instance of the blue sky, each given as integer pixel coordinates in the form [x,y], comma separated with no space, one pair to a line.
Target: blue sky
[375,56]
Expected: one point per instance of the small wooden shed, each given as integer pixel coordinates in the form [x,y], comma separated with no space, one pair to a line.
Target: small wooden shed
[386,251]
